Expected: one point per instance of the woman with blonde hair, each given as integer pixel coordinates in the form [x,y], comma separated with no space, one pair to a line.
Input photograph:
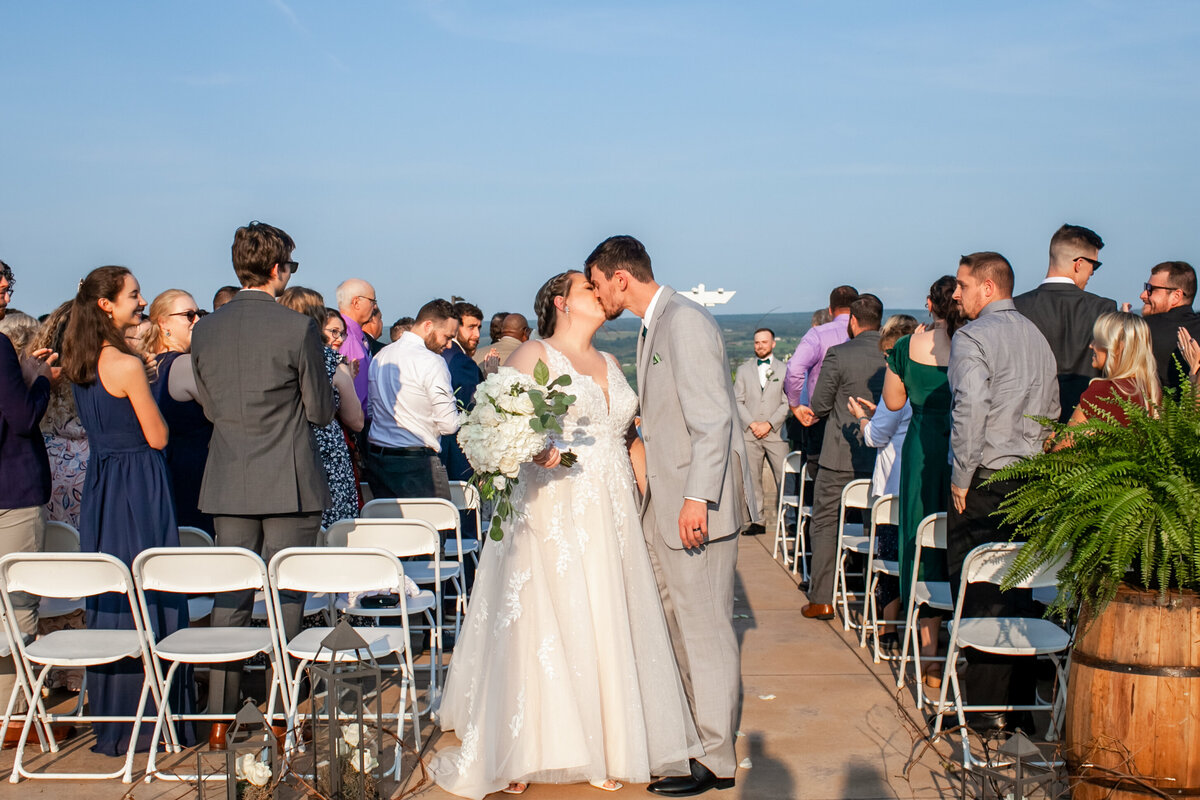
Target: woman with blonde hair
[173,314]
[1121,349]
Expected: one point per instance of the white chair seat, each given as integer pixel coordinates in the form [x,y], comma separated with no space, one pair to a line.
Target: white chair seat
[792,500]
[1018,636]
[416,605]
[469,545]
[1045,594]
[59,606]
[201,605]
[935,594]
[84,648]
[380,641]
[422,571]
[196,645]
[856,544]
[885,567]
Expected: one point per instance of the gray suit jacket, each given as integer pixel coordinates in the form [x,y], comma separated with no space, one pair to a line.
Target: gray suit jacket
[757,403]
[853,369]
[260,375]
[694,447]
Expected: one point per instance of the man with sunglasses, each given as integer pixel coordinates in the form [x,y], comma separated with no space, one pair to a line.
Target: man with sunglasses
[261,379]
[1064,312]
[1167,306]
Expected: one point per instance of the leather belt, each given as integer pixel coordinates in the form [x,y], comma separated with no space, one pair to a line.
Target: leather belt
[380,450]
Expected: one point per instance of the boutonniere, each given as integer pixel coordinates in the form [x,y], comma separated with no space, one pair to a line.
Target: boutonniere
[770,373]
[654,359]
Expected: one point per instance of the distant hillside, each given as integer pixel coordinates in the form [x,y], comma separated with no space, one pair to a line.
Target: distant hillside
[619,337]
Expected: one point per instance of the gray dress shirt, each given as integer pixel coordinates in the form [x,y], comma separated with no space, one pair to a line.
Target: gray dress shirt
[1002,372]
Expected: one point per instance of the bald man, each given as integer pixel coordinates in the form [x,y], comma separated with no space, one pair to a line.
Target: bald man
[356,300]
[514,331]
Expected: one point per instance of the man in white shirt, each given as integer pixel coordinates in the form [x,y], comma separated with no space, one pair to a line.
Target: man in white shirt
[762,407]
[412,407]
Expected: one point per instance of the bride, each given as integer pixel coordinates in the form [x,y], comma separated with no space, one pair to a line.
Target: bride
[564,671]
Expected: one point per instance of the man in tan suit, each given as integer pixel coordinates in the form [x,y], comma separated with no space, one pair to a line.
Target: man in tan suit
[695,501]
[514,332]
[762,409]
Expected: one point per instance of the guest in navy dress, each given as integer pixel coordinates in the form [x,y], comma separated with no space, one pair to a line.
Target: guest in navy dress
[126,504]
[332,443]
[172,315]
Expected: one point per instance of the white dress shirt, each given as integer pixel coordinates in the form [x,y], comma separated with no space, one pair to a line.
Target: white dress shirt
[412,401]
[763,369]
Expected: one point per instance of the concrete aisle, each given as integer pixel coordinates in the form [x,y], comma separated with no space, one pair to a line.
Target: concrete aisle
[835,727]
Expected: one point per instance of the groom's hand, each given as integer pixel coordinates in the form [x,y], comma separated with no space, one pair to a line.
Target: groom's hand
[693,523]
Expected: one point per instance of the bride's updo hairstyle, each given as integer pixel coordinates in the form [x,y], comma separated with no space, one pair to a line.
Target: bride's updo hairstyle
[943,304]
[547,314]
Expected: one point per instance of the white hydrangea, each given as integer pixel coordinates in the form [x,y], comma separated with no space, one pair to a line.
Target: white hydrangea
[370,762]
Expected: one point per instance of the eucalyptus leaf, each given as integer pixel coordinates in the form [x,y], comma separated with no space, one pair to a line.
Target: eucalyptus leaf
[541,373]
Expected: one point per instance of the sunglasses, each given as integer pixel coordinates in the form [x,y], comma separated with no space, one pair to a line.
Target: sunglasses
[1095,264]
[292,266]
[192,314]
[1150,287]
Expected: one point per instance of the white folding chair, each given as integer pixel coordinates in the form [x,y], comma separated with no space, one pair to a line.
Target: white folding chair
[61,537]
[466,498]
[1010,636]
[85,575]
[931,535]
[204,570]
[333,570]
[21,682]
[444,517]
[403,538]
[793,464]
[852,538]
[200,605]
[884,511]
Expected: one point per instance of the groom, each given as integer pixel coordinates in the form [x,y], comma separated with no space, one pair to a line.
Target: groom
[695,501]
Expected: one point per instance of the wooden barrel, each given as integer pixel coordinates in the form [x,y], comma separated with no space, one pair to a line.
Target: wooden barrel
[1133,703]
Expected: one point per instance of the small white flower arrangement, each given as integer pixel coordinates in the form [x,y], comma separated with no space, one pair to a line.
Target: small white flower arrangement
[250,768]
[513,418]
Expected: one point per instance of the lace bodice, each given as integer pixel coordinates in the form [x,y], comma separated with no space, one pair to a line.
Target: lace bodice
[594,422]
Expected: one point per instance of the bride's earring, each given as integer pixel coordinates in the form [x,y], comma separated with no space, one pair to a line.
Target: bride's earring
[566,309]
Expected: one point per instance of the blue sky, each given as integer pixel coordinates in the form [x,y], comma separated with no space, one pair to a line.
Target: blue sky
[475,148]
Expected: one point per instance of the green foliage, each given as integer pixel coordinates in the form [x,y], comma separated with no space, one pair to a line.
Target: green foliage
[1120,498]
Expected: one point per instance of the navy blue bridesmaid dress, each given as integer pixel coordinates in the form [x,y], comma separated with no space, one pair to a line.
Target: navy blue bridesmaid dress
[126,508]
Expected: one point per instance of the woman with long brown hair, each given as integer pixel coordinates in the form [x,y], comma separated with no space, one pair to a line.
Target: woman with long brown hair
[173,314]
[126,505]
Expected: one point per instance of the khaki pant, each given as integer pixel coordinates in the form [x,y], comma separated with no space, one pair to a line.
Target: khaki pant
[22,530]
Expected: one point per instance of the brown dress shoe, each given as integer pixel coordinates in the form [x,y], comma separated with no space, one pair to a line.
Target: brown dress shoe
[817,611]
[216,736]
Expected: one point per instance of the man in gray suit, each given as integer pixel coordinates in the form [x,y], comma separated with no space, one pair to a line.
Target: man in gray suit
[853,369]
[695,501]
[762,409]
[260,376]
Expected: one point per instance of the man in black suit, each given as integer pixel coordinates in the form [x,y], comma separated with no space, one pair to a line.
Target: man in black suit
[1065,313]
[853,369]
[1167,306]
[465,376]
[260,376]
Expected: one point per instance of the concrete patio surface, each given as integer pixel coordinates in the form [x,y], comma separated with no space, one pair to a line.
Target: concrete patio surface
[820,721]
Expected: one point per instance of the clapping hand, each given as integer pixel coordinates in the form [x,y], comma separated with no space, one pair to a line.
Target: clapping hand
[38,365]
[1191,352]
[860,407]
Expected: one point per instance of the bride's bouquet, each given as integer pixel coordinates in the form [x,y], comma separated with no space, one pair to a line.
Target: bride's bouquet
[511,423]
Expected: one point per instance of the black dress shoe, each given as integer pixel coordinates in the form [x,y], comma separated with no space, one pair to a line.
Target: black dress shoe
[754,529]
[699,782]
[987,722]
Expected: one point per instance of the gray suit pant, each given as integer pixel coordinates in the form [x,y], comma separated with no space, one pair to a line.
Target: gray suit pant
[827,498]
[696,587]
[265,535]
[772,451]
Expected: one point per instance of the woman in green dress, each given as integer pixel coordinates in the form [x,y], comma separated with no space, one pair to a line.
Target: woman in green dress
[917,373]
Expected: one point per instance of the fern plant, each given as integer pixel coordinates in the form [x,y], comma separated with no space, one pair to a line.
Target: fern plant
[1124,501]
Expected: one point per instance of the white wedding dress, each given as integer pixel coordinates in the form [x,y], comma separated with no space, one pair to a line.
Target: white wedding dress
[564,671]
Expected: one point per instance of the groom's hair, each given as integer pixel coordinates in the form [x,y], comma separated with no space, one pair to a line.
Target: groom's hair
[620,252]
